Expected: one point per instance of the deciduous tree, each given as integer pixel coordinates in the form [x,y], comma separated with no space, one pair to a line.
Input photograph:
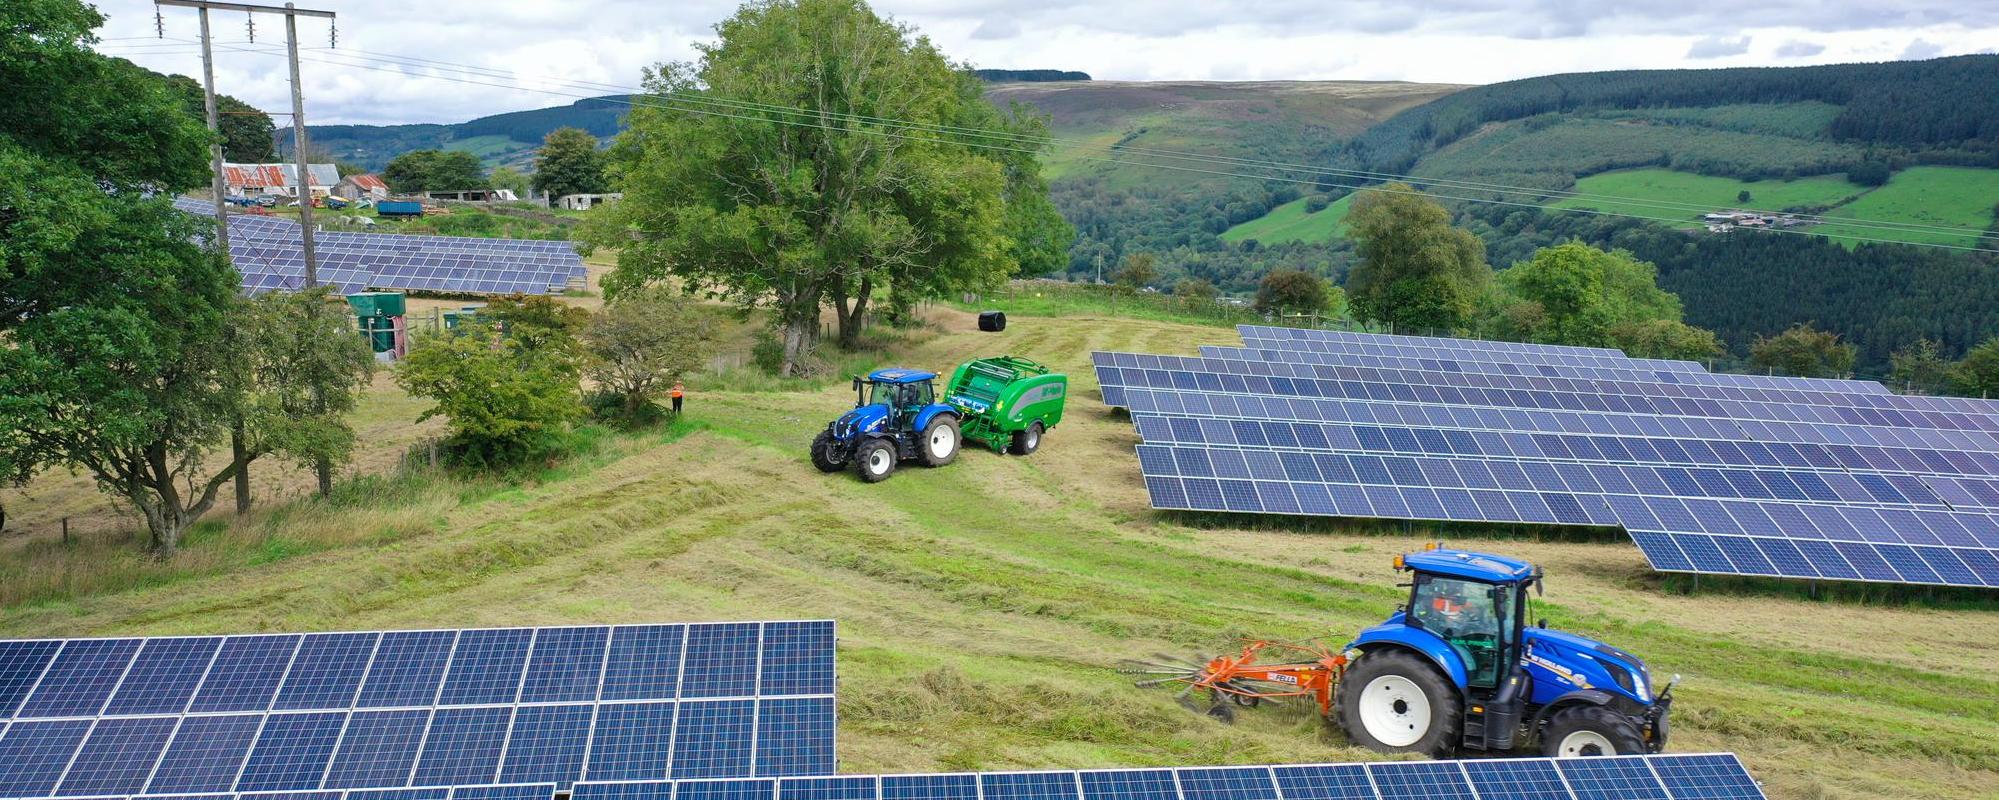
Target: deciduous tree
[504,401]
[1804,351]
[1919,366]
[569,163]
[434,170]
[1415,270]
[1978,374]
[825,201]
[641,343]
[1292,291]
[303,365]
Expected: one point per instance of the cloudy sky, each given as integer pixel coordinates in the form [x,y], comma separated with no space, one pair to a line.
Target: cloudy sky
[551,45]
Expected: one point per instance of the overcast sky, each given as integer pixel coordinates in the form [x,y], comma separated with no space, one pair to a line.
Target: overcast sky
[542,43]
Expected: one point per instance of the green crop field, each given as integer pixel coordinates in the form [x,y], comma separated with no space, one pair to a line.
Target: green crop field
[1959,197]
[1687,196]
[982,606]
[1291,223]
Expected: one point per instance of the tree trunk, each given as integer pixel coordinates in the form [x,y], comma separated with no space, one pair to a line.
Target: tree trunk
[323,467]
[854,319]
[237,452]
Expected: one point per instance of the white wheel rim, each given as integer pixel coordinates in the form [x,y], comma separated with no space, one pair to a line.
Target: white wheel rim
[878,460]
[942,442]
[1586,743]
[1033,438]
[1394,711]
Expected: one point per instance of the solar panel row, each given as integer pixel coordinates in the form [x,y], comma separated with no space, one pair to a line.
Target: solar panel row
[1660,777]
[269,253]
[1663,777]
[1769,477]
[347,710]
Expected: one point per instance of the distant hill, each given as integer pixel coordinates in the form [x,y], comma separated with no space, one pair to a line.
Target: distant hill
[1029,75]
[509,138]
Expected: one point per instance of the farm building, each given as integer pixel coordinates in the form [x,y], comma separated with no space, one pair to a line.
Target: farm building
[473,195]
[355,187]
[256,179]
[585,202]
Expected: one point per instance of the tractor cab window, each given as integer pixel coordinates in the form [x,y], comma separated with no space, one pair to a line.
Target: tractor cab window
[900,395]
[1475,619]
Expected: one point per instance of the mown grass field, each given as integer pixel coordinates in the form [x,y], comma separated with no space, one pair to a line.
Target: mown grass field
[982,606]
[1957,197]
[1292,223]
[1686,196]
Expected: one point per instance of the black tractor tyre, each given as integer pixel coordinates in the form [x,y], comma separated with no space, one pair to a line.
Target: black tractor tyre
[1406,691]
[823,455]
[1027,441]
[1590,730]
[927,443]
[874,460]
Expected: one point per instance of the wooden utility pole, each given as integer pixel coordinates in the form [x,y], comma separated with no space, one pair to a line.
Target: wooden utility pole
[302,182]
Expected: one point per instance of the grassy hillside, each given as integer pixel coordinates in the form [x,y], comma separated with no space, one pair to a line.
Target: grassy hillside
[1960,197]
[1291,222]
[1277,120]
[981,606]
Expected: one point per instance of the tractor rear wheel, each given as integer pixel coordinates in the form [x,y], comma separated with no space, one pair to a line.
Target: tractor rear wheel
[1395,702]
[874,460]
[1027,441]
[939,443]
[1586,730]
[823,454]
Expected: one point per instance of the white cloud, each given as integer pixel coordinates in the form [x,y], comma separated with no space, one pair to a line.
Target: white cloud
[1799,49]
[549,45]
[1718,47]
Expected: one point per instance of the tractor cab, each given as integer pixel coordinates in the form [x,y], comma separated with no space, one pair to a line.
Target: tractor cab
[895,397]
[1460,667]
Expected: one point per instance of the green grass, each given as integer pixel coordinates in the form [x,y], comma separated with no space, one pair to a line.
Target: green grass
[1291,223]
[1804,120]
[982,606]
[1706,193]
[1551,151]
[1961,197]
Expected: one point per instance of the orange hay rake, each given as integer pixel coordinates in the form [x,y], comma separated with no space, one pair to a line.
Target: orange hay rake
[1311,670]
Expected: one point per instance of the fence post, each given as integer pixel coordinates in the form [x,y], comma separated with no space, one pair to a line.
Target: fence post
[65,531]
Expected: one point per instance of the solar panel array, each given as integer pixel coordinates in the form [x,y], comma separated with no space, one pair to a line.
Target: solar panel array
[1709,473]
[1661,777]
[268,251]
[335,711]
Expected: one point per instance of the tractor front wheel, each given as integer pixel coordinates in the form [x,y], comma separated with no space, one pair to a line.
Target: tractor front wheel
[1586,730]
[823,454]
[939,443]
[1027,441]
[874,460]
[1395,702]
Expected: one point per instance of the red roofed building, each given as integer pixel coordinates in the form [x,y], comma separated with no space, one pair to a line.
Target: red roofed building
[355,187]
[255,179]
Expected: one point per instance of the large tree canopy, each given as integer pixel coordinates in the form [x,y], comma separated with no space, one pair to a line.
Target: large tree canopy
[1416,272]
[434,171]
[569,163]
[838,183]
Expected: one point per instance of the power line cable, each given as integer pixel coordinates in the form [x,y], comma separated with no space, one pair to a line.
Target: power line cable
[669,102]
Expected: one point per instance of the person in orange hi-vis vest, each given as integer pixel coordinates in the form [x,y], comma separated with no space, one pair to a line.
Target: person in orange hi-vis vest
[677,393]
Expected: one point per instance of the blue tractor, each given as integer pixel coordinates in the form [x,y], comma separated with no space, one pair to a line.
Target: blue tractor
[1460,668]
[896,417]
[1456,669]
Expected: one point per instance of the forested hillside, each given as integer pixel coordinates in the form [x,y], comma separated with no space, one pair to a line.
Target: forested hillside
[509,138]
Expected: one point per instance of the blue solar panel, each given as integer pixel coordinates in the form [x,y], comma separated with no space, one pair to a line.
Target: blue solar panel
[118,757]
[292,752]
[327,671]
[795,736]
[548,744]
[1421,780]
[566,666]
[487,666]
[1611,778]
[539,791]
[246,673]
[164,676]
[712,739]
[378,749]
[625,744]
[797,658]
[81,679]
[408,669]
[1228,783]
[206,754]
[463,746]
[1706,777]
[1516,780]
[857,788]
[1030,786]
[21,666]
[644,662]
[33,755]
[930,787]
[1325,782]
[1138,784]
[721,661]
[725,790]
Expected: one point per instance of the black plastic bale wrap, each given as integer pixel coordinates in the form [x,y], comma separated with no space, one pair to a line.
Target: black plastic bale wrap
[992,321]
